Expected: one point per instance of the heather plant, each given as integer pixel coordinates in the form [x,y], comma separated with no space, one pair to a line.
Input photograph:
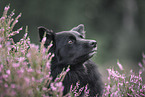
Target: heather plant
[125,84]
[25,67]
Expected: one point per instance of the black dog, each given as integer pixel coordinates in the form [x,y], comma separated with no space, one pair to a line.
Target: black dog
[71,48]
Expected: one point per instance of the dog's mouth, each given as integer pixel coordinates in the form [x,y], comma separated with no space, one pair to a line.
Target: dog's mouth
[93,51]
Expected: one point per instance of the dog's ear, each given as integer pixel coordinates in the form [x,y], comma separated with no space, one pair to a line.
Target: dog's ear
[49,35]
[80,29]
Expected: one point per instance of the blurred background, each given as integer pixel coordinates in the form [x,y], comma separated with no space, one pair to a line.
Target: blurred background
[118,26]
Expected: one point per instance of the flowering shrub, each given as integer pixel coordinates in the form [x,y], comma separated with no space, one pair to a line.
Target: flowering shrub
[25,69]
[125,84]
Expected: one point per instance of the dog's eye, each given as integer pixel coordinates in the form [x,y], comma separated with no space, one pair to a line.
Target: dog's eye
[70,41]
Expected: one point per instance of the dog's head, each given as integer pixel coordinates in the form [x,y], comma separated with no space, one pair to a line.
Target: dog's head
[69,47]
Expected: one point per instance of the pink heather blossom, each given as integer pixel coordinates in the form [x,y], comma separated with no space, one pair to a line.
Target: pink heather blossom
[59,84]
[1,68]
[13,86]
[140,65]
[120,66]
[19,16]
[30,70]
[34,46]
[2,30]
[25,35]
[68,69]
[1,46]
[17,32]
[15,65]
[28,55]
[6,85]
[19,72]
[53,87]
[12,14]
[16,21]
[1,81]
[44,88]
[143,55]
[6,8]
[22,70]
[21,59]
[47,76]
[33,79]
[38,71]
[2,18]
[48,65]
[21,29]
[13,93]
[5,76]
[8,72]
[27,80]
[44,39]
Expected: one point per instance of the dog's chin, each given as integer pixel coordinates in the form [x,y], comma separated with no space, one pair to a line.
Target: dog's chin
[91,54]
[85,57]
[94,50]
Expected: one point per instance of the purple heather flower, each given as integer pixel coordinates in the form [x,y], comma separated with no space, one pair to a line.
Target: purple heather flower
[140,65]
[19,16]
[30,70]
[2,18]
[2,30]
[28,55]
[6,8]
[44,88]
[27,80]
[5,76]
[38,71]
[13,93]
[13,86]
[6,85]
[68,69]
[1,46]
[8,72]
[19,72]
[17,32]
[33,79]
[16,21]
[12,14]
[48,65]
[44,39]
[21,29]
[15,65]
[25,35]
[34,46]
[143,56]
[1,81]
[21,59]
[1,68]
[120,66]
[59,84]
[53,87]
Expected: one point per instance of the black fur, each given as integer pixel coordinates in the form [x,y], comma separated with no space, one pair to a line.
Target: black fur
[71,48]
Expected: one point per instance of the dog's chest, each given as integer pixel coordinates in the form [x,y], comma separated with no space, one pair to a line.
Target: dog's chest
[77,75]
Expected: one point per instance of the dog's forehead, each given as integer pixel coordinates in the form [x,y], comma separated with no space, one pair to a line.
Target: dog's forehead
[68,33]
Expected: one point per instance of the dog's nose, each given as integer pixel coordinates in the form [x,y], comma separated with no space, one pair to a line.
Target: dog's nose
[93,43]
